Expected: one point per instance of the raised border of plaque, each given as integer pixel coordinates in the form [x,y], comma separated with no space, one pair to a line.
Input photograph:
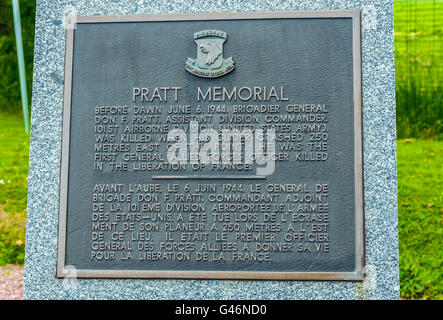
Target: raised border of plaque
[357,275]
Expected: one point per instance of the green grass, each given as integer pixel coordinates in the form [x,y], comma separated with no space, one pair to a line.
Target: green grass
[419,68]
[14,150]
[420,200]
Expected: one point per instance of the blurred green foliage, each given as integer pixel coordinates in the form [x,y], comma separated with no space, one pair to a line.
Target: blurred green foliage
[419,68]
[10,100]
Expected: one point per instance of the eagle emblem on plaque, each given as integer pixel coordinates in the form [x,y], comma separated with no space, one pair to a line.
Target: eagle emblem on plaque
[210,62]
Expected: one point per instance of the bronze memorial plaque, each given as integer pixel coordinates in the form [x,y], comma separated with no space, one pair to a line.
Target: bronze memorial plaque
[213,146]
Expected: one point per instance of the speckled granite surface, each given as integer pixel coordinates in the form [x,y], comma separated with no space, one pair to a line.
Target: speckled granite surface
[379,161]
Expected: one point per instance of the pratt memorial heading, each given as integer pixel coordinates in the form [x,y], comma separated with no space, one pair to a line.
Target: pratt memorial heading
[211,94]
